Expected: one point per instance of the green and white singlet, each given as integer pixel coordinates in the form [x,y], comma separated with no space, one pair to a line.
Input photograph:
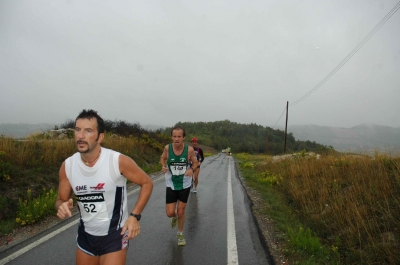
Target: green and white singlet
[177,165]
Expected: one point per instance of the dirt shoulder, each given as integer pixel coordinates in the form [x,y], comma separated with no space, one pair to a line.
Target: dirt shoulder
[266,226]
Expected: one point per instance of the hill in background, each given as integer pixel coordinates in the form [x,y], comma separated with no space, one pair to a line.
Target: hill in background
[249,138]
[364,138]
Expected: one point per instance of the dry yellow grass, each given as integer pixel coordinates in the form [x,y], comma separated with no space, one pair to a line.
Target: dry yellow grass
[353,200]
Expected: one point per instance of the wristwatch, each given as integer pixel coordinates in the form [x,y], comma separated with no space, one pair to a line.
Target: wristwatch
[137,216]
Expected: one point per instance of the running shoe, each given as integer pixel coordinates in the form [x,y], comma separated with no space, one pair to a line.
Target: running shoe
[181,240]
[194,190]
[174,222]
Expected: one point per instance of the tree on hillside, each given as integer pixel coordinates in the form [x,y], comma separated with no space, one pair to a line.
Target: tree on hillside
[249,138]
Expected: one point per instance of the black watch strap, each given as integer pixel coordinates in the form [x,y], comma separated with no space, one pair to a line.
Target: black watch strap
[137,216]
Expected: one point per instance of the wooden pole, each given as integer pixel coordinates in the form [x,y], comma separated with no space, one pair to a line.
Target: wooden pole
[287,114]
[266,147]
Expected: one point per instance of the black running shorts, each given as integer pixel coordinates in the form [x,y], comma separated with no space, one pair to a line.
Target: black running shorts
[100,245]
[175,195]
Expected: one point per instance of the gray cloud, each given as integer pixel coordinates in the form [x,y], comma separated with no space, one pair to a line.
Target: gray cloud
[158,62]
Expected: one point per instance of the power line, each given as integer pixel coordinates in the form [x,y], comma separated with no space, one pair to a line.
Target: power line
[284,109]
[348,57]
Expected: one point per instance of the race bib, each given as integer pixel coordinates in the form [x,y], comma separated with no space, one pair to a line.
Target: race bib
[178,168]
[92,206]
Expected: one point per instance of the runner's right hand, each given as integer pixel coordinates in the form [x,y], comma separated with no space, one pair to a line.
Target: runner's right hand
[64,210]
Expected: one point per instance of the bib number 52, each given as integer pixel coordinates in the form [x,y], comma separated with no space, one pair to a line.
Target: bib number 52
[90,207]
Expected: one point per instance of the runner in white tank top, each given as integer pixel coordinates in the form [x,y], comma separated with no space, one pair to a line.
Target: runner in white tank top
[98,177]
[100,191]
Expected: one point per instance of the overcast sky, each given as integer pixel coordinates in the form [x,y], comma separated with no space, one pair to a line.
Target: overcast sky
[161,62]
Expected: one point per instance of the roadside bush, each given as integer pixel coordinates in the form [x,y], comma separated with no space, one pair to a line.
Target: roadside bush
[5,167]
[4,207]
[32,210]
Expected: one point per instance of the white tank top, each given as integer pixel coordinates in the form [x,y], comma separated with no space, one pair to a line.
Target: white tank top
[100,191]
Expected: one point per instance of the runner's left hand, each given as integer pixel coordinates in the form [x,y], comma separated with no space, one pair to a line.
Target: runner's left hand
[133,227]
[189,172]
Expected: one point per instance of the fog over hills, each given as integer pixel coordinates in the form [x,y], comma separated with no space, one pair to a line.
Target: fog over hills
[22,130]
[361,138]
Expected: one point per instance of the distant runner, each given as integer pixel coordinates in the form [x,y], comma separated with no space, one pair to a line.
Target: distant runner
[178,178]
[200,158]
[228,151]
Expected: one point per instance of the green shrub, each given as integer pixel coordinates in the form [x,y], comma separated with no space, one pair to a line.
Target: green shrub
[267,178]
[4,206]
[34,209]
[242,156]
[6,227]
[247,165]
[5,167]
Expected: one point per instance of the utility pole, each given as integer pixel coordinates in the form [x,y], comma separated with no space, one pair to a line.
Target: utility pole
[287,113]
[266,147]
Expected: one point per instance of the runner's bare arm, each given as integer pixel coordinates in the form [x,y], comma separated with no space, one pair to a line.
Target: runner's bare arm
[193,159]
[164,159]
[64,201]
[131,171]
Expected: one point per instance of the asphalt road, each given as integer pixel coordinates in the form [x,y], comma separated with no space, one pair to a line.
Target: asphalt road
[219,227]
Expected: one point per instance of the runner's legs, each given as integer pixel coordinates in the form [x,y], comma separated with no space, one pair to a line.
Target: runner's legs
[170,209]
[196,178]
[181,215]
[117,257]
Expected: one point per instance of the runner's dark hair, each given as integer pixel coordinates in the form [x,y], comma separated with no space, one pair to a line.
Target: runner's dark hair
[92,114]
[178,127]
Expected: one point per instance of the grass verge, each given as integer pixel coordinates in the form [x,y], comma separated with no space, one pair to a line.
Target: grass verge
[332,210]
[301,246]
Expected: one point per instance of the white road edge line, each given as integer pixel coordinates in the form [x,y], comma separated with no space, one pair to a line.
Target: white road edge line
[232,247]
[34,244]
[52,234]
